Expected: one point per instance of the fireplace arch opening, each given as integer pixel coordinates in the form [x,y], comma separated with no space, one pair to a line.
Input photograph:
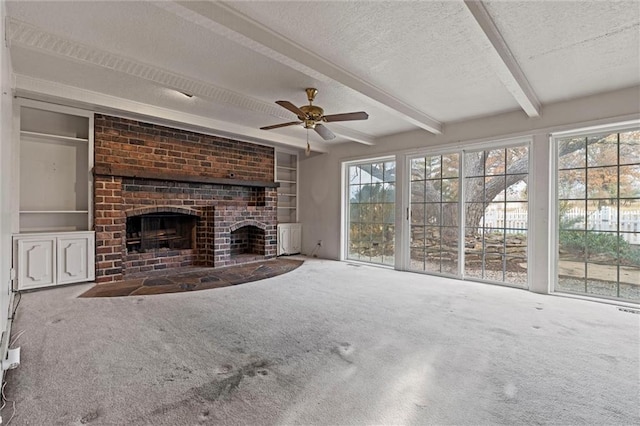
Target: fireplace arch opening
[246,241]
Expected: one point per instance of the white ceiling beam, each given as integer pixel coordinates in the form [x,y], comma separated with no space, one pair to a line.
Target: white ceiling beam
[351,134]
[505,63]
[228,22]
[99,102]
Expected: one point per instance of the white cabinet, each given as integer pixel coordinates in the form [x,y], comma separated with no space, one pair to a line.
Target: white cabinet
[287,175]
[75,256]
[36,262]
[289,238]
[43,260]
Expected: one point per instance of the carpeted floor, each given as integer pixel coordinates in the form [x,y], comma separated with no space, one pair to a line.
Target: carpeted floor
[328,343]
[191,279]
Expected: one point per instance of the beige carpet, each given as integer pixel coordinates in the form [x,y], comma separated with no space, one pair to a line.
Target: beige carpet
[328,343]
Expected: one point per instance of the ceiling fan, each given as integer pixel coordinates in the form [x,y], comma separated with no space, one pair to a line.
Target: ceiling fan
[312,116]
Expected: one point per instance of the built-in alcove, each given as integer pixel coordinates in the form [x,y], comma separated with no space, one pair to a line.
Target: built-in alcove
[154,231]
[247,240]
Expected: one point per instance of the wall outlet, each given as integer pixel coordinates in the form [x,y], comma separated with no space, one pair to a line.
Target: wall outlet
[12,361]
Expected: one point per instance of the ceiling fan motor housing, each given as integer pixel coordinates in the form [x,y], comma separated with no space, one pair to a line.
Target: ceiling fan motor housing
[312,112]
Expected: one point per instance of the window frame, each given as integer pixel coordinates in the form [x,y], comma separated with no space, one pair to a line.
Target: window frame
[345,211]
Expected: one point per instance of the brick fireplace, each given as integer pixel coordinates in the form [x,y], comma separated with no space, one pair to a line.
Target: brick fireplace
[167,198]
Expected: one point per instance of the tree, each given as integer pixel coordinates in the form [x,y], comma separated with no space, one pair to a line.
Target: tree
[490,174]
[589,168]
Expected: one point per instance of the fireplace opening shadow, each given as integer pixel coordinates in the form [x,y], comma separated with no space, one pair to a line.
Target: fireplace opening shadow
[191,279]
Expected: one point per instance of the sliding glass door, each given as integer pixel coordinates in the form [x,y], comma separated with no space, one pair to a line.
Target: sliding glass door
[468,213]
[434,203]
[495,225]
[496,215]
[371,212]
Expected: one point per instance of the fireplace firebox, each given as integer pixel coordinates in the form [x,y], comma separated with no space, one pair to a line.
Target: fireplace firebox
[247,240]
[154,231]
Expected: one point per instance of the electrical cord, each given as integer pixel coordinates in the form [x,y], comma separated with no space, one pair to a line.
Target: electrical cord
[4,402]
[15,308]
[315,249]
[11,343]
[16,337]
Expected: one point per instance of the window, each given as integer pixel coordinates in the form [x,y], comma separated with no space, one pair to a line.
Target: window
[598,214]
[496,220]
[371,212]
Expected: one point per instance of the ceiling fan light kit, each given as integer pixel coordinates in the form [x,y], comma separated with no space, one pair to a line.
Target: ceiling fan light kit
[312,116]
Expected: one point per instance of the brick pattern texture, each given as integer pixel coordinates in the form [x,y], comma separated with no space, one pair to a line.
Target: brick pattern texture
[220,209]
[142,146]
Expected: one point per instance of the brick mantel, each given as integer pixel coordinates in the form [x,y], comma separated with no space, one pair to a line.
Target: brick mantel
[145,168]
[161,175]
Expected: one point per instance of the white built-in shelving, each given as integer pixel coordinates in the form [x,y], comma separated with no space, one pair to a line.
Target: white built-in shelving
[55,157]
[287,175]
[289,231]
[54,242]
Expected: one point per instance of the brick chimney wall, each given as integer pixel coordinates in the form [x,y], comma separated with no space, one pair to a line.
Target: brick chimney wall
[138,149]
[135,145]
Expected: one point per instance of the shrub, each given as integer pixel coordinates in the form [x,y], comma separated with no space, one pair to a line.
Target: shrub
[595,244]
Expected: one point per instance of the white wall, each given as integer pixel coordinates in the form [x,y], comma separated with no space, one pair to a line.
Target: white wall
[320,175]
[6,112]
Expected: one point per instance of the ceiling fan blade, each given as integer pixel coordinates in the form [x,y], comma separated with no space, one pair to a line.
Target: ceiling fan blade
[326,134]
[275,126]
[348,116]
[291,107]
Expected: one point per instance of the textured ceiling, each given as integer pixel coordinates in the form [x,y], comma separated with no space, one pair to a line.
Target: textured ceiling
[426,53]
[572,49]
[409,64]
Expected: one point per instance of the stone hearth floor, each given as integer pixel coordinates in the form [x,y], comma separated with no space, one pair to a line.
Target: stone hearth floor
[190,279]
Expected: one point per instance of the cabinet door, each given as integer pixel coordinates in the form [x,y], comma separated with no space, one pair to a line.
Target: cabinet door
[36,263]
[284,239]
[296,238]
[73,258]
